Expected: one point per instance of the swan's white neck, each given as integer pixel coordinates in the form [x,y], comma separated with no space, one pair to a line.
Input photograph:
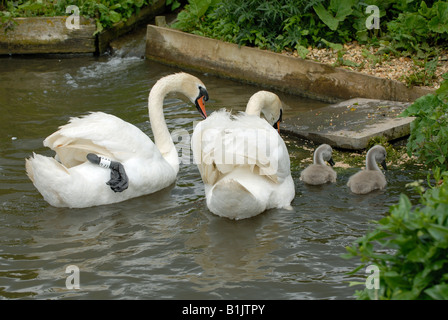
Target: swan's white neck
[162,137]
[266,102]
[371,161]
[255,105]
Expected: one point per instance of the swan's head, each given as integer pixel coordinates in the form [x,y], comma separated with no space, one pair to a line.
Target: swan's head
[184,83]
[269,104]
[200,100]
[324,153]
[195,90]
[379,153]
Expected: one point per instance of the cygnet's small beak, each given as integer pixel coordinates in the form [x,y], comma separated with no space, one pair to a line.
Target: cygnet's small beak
[331,162]
[384,165]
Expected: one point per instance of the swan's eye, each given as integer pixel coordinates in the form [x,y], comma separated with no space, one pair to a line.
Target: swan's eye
[203,93]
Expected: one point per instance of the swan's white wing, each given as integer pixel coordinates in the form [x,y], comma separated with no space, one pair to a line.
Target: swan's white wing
[223,142]
[99,133]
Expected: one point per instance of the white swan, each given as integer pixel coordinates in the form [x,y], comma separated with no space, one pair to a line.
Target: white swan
[137,165]
[243,161]
[371,178]
[318,172]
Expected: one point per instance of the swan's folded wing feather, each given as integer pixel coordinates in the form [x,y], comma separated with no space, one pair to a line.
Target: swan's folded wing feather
[98,133]
[220,144]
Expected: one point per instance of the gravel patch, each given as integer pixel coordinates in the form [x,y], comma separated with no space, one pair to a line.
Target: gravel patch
[366,59]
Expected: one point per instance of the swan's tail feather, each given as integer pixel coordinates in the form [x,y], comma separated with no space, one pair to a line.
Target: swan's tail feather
[47,175]
[232,200]
[72,152]
[29,169]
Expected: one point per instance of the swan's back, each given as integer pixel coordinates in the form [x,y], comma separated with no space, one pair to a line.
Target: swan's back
[316,174]
[224,142]
[99,133]
[244,164]
[366,181]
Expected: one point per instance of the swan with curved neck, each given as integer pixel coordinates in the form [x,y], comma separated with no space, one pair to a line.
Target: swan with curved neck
[267,103]
[101,159]
[318,172]
[243,161]
[372,178]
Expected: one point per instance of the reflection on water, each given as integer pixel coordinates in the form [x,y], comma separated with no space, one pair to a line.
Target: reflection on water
[165,245]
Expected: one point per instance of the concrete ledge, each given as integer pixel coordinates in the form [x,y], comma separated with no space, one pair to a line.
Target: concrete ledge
[41,35]
[288,74]
[47,35]
[352,123]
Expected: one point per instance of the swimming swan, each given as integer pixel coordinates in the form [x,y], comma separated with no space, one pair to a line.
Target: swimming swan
[318,172]
[371,178]
[243,161]
[100,148]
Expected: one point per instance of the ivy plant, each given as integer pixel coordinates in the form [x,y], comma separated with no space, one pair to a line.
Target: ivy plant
[428,139]
[410,249]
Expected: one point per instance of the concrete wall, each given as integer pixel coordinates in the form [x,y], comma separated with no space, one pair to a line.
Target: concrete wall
[47,35]
[289,74]
[41,35]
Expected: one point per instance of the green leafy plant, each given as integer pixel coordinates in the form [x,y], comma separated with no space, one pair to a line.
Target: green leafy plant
[417,28]
[338,11]
[173,4]
[407,27]
[409,247]
[424,72]
[190,19]
[340,51]
[428,139]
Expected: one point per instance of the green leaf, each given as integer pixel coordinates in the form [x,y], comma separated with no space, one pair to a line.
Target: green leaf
[99,27]
[442,92]
[439,23]
[139,3]
[439,233]
[114,16]
[338,11]
[334,46]
[438,292]
[302,51]
[418,254]
[405,295]
[326,17]
[199,7]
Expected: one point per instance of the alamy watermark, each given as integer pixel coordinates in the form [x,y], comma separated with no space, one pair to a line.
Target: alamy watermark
[72,21]
[73,280]
[373,21]
[373,280]
[232,146]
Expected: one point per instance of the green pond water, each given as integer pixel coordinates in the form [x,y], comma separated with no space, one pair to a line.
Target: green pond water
[165,245]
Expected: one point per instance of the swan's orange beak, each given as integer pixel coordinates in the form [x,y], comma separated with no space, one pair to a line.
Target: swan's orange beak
[200,101]
[201,104]
[277,124]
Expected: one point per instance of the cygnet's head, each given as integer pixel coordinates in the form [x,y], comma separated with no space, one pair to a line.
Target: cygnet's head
[379,153]
[324,153]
